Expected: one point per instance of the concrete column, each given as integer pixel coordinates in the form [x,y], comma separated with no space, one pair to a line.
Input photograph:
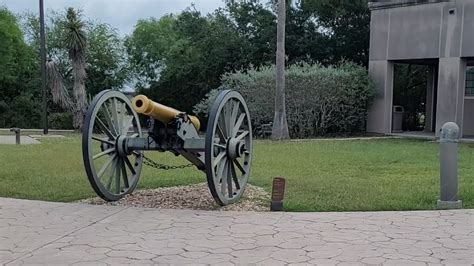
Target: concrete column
[380,114]
[451,86]
[430,104]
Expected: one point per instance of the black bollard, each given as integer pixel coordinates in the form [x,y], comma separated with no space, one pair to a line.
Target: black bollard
[17,134]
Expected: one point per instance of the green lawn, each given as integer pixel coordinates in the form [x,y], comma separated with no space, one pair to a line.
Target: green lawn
[390,174]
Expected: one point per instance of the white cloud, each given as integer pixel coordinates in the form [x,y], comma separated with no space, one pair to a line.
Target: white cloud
[121,14]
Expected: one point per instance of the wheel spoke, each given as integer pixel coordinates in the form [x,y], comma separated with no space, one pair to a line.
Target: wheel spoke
[221,124]
[108,118]
[98,155]
[127,123]
[239,166]
[220,146]
[104,128]
[227,117]
[123,113]
[106,165]
[115,115]
[229,180]
[129,164]
[117,176]
[234,176]
[103,140]
[243,135]
[113,170]
[218,158]
[220,133]
[238,124]
[124,175]
[235,112]
[223,179]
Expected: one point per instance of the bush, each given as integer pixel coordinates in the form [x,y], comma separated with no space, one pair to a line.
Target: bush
[23,111]
[320,100]
[60,121]
[203,107]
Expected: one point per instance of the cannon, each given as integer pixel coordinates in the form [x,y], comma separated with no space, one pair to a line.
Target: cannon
[113,144]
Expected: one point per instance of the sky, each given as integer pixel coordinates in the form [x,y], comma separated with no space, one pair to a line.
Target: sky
[121,14]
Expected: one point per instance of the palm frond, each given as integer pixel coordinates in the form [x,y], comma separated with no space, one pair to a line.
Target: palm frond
[75,35]
[56,84]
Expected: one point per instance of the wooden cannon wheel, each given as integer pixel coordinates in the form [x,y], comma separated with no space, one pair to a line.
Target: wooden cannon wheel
[111,173]
[228,147]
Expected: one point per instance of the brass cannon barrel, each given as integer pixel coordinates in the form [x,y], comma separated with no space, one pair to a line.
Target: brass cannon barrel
[142,105]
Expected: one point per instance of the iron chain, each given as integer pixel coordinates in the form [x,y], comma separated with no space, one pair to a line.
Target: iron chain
[151,163]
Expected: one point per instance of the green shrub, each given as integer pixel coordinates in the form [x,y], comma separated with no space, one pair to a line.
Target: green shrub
[60,121]
[320,100]
[202,108]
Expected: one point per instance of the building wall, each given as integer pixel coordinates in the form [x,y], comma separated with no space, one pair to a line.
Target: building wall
[404,30]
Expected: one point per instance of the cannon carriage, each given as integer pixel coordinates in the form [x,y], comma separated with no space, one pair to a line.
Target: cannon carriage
[113,143]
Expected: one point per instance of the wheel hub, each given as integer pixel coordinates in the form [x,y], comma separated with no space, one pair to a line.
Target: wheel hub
[121,146]
[235,148]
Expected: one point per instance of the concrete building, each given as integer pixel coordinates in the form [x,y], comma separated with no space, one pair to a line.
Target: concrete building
[436,33]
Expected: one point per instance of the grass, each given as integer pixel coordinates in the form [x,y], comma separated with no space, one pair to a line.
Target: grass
[389,174]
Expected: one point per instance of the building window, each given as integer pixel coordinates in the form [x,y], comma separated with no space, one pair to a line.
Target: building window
[470,81]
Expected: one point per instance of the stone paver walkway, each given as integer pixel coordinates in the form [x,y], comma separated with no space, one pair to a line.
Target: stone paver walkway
[34,232]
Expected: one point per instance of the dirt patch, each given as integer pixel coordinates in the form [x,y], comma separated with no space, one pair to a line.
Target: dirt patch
[195,197]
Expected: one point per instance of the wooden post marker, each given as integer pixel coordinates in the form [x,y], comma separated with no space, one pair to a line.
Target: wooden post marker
[278,193]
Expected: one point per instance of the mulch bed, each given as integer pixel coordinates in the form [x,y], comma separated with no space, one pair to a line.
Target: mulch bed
[196,197]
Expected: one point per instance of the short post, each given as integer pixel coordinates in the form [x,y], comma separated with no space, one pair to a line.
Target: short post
[17,134]
[448,166]
[278,193]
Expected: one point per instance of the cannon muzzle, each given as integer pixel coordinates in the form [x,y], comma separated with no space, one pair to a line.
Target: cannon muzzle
[142,105]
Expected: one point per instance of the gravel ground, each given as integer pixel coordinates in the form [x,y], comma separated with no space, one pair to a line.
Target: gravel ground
[195,197]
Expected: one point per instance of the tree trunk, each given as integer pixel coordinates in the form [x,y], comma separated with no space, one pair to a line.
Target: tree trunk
[280,124]
[79,73]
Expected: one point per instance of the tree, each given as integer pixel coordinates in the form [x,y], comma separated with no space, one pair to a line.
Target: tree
[256,26]
[182,57]
[19,83]
[280,124]
[105,58]
[148,48]
[75,43]
[346,25]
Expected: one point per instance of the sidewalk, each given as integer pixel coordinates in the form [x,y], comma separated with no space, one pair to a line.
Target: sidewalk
[35,232]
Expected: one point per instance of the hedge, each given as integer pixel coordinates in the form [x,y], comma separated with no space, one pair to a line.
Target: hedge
[320,100]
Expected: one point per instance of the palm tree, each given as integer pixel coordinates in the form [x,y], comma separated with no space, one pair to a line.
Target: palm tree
[280,124]
[75,42]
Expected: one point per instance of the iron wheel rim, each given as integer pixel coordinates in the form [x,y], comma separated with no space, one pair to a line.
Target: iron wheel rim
[229,118]
[125,170]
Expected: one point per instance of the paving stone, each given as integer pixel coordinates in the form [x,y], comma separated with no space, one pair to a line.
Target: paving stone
[323,262]
[34,232]
[373,261]
[195,254]
[325,253]
[137,255]
[290,255]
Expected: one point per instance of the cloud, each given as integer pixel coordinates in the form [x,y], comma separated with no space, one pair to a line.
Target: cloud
[121,14]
